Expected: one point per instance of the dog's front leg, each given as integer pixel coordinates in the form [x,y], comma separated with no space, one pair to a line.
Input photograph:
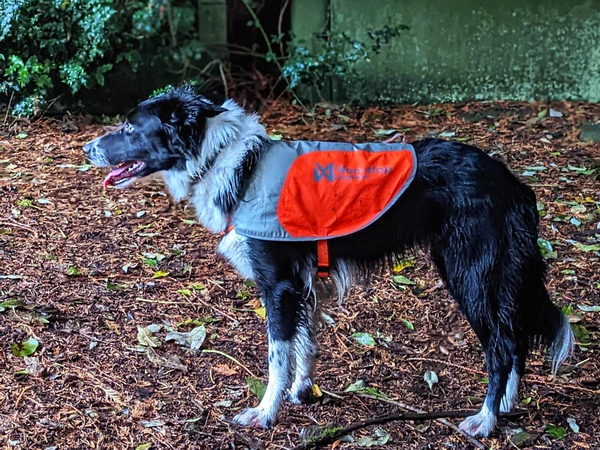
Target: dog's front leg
[282,302]
[306,352]
[280,367]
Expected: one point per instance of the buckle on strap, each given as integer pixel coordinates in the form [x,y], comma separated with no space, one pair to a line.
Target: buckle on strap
[322,259]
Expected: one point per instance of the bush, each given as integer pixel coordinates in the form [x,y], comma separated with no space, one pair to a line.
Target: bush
[337,58]
[53,47]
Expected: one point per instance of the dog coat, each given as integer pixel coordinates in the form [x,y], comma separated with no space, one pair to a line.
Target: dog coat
[314,191]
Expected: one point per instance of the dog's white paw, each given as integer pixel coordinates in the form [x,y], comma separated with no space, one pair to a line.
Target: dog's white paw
[254,417]
[300,392]
[481,424]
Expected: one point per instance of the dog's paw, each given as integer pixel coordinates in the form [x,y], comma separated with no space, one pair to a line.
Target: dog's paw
[301,392]
[481,424]
[254,417]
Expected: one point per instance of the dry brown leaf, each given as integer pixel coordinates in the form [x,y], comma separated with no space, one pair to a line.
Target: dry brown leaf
[170,361]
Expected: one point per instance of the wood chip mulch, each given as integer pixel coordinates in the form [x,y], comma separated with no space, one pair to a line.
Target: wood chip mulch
[86,268]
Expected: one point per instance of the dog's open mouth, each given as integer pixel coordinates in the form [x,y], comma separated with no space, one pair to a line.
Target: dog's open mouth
[124,173]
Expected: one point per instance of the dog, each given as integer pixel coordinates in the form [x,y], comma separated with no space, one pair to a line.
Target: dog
[477,219]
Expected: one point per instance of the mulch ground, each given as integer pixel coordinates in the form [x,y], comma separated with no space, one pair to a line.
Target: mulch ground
[83,269]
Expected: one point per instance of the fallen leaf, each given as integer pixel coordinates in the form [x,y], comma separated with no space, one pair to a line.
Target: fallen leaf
[73,271]
[357,386]
[586,308]
[10,277]
[224,369]
[143,447]
[145,338]
[151,423]
[379,133]
[160,274]
[33,365]
[223,403]
[586,247]
[256,386]
[521,437]
[408,325]
[573,424]
[13,303]
[555,113]
[555,432]
[24,349]
[261,312]
[430,378]
[379,437]
[170,361]
[192,339]
[401,279]
[364,338]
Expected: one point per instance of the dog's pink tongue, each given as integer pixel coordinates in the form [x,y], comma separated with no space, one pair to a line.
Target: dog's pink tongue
[114,175]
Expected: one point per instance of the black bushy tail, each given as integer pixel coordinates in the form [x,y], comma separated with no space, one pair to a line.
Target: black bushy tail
[562,344]
[546,324]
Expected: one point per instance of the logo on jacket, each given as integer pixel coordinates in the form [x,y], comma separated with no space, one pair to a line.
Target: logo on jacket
[341,172]
[326,172]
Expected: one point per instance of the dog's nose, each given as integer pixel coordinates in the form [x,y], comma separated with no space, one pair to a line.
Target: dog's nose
[87,148]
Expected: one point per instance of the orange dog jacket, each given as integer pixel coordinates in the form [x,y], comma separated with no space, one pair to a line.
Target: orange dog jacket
[311,191]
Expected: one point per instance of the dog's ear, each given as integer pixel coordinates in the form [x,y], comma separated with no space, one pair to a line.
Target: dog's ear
[188,113]
[210,110]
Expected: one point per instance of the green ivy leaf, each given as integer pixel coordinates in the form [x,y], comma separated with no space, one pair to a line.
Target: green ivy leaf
[150,262]
[12,303]
[408,325]
[401,279]
[546,249]
[364,339]
[555,432]
[256,386]
[143,446]
[27,348]
[73,272]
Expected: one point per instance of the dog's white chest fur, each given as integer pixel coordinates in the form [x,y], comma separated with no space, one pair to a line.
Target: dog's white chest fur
[225,146]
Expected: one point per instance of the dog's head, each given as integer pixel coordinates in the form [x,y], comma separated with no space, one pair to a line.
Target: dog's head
[159,134]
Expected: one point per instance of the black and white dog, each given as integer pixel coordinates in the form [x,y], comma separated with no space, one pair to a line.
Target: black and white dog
[478,221]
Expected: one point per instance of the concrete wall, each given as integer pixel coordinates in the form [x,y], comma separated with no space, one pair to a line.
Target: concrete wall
[460,50]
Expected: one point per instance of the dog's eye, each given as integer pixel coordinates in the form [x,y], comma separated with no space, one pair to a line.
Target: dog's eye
[128,128]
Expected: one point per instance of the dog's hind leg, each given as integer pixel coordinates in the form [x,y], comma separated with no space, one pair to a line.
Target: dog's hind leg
[488,310]
[282,301]
[511,393]
[306,352]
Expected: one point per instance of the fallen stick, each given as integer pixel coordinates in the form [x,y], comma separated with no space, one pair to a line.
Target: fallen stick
[443,421]
[333,436]
[13,223]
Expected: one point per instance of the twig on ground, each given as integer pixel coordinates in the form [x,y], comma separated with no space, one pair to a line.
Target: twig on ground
[331,437]
[214,308]
[447,363]
[163,302]
[10,222]
[418,417]
[231,358]
[443,421]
